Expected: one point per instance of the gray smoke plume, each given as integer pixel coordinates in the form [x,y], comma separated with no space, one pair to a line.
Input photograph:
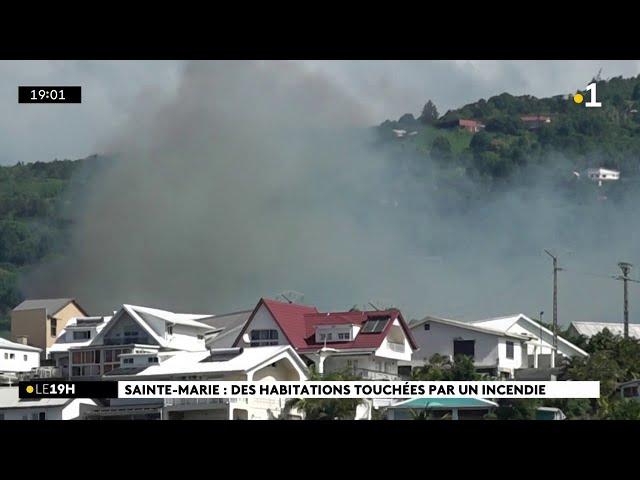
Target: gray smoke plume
[259,177]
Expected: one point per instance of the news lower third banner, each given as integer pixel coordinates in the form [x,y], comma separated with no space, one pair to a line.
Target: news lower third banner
[315,389]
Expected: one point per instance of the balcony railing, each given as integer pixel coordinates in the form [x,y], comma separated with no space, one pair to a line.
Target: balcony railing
[375,374]
[396,347]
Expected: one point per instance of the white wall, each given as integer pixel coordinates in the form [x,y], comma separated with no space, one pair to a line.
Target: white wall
[18,363]
[439,339]
[396,335]
[263,320]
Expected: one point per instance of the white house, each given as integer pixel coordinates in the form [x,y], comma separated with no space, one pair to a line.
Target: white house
[539,347]
[132,329]
[493,351]
[630,390]
[17,358]
[369,344]
[14,408]
[79,332]
[589,329]
[270,363]
[602,174]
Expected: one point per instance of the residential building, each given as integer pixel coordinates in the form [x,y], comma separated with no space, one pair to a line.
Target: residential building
[602,175]
[441,408]
[540,343]
[39,322]
[535,121]
[269,363]
[495,352]
[79,332]
[367,343]
[16,359]
[12,407]
[132,329]
[589,329]
[630,389]
[472,126]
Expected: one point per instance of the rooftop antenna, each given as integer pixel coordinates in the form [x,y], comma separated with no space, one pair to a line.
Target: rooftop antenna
[374,307]
[291,296]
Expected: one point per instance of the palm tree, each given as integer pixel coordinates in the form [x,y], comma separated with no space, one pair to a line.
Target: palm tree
[325,408]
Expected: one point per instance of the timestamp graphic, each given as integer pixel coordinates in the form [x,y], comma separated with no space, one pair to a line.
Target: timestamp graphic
[42,94]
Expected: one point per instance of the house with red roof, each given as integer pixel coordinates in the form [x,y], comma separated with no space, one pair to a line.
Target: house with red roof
[368,343]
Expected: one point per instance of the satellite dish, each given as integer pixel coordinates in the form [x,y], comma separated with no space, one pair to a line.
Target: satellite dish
[246,338]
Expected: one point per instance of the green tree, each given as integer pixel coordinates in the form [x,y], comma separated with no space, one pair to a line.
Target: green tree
[441,148]
[326,408]
[429,113]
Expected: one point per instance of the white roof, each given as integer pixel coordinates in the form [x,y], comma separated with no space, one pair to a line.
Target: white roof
[191,362]
[4,343]
[468,326]
[603,170]
[189,319]
[506,322]
[62,346]
[9,399]
[589,329]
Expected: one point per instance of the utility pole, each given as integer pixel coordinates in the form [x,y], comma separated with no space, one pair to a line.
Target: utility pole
[625,267]
[556,269]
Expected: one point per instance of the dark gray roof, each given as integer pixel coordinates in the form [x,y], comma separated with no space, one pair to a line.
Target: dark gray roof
[231,325]
[51,305]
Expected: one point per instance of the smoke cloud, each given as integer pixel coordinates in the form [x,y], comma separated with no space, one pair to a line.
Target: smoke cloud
[259,177]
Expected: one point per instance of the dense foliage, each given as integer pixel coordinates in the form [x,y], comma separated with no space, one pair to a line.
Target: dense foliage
[34,200]
[588,137]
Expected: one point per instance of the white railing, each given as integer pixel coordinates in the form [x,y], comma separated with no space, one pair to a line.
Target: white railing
[176,402]
[375,374]
[396,347]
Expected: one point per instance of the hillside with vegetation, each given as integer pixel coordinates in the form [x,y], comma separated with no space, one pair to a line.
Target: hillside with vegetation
[35,205]
[606,137]
[37,199]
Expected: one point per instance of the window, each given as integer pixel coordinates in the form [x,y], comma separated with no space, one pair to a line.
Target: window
[127,360]
[12,356]
[42,416]
[326,336]
[25,358]
[344,336]
[1,416]
[260,338]
[170,329]
[6,356]
[375,324]
[427,326]
[153,359]
[54,327]
[76,357]
[510,350]
[200,337]
[464,347]
[82,335]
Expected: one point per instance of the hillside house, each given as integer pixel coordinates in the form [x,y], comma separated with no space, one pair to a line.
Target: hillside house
[589,329]
[16,358]
[269,363]
[39,322]
[540,343]
[92,346]
[12,407]
[369,344]
[472,126]
[535,121]
[494,352]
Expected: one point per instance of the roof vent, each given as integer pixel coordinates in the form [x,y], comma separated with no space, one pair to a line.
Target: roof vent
[223,354]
